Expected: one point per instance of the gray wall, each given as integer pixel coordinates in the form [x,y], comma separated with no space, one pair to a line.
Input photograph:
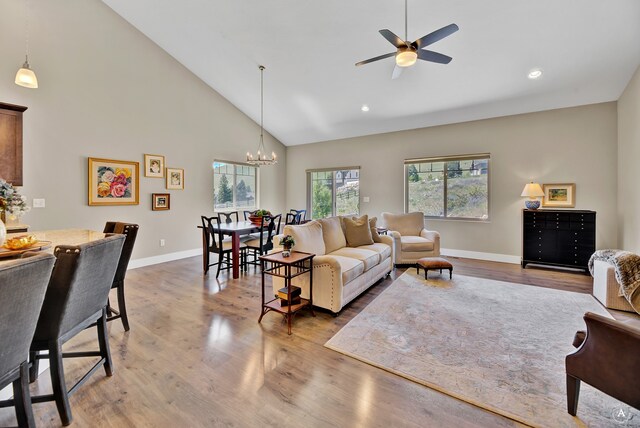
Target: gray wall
[628,158]
[576,145]
[108,91]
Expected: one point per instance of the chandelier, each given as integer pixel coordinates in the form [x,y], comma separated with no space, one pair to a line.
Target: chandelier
[261,157]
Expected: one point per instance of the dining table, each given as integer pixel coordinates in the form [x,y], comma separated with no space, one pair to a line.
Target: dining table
[235,230]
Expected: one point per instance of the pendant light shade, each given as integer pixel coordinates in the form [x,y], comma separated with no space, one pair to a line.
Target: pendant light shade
[26,76]
[261,158]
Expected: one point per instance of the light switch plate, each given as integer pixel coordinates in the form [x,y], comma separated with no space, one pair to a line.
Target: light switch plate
[38,203]
[365,199]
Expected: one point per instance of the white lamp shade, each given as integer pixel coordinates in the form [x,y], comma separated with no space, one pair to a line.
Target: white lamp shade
[406,58]
[26,77]
[532,190]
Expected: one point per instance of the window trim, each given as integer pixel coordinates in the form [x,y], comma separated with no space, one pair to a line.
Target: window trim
[308,173]
[445,159]
[235,163]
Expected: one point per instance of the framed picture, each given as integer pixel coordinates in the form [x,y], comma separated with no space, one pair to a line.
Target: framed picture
[175,178]
[113,182]
[153,166]
[559,195]
[160,201]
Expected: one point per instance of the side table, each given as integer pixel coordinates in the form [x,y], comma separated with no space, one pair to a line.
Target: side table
[288,268]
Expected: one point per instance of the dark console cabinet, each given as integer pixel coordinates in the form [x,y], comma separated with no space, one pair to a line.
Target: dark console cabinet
[558,237]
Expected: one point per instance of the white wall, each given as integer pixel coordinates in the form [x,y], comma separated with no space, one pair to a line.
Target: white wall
[628,158]
[108,91]
[575,145]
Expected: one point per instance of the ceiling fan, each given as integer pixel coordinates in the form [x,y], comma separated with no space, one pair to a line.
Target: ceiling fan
[408,53]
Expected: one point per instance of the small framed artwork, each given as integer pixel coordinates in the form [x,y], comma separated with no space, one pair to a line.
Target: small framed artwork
[160,201]
[175,178]
[559,195]
[113,182]
[154,166]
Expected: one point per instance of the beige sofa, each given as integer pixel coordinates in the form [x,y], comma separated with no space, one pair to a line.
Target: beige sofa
[411,241]
[340,273]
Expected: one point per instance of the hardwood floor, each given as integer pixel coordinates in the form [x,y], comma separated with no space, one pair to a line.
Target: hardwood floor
[196,356]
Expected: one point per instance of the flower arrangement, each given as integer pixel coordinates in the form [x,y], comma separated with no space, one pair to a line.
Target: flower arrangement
[287,241]
[114,182]
[10,201]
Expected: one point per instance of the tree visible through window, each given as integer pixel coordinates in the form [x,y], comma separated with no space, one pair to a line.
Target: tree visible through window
[334,192]
[234,186]
[449,188]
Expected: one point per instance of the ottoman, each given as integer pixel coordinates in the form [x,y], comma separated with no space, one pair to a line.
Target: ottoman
[430,263]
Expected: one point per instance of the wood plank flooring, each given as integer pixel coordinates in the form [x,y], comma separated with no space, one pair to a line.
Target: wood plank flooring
[196,356]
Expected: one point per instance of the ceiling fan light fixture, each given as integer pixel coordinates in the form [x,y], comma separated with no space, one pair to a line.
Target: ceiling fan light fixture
[406,58]
[534,74]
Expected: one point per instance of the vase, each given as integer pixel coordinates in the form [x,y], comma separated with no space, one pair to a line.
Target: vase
[3,233]
[287,251]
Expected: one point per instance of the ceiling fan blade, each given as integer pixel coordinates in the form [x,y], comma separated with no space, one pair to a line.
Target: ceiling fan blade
[393,39]
[367,61]
[435,36]
[433,57]
[397,71]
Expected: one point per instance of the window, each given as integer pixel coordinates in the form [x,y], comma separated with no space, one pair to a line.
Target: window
[333,192]
[455,187]
[235,186]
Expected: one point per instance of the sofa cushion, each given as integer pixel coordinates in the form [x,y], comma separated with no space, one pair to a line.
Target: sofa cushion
[368,257]
[308,237]
[351,268]
[357,231]
[332,234]
[415,243]
[405,224]
[383,249]
[373,222]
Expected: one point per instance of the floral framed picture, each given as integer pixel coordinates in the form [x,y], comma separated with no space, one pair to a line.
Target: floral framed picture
[154,166]
[561,195]
[175,179]
[113,182]
[160,201]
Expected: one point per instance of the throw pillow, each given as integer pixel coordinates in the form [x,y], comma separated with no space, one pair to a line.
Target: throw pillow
[374,231]
[308,237]
[332,233]
[358,231]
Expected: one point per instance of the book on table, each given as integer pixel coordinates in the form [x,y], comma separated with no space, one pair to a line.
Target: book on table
[283,293]
[294,301]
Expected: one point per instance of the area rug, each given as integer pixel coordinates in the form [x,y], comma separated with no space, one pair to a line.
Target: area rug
[498,345]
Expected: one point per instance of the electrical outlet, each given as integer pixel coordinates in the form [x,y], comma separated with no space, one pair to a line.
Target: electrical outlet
[38,203]
[162,242]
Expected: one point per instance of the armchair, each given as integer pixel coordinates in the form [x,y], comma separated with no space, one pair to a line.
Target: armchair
[411,241]
[607,359]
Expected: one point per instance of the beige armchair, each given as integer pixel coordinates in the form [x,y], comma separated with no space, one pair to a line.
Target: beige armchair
[411,241]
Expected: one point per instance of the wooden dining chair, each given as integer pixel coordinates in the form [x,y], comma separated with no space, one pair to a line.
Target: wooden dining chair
[295,216]
[229,217]
[247,214]
[214,242]
[263,243]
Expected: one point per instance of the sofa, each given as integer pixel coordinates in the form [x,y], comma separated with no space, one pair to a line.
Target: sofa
[411,241]
[340,272]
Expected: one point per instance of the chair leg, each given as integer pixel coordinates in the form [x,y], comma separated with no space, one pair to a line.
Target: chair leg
[573,394]
[35,366]
[58,383]
[103,341]
[220,260]
[122,307]
[22,399]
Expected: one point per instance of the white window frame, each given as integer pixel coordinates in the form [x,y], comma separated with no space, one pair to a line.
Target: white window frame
[445,159]
[333,190]
[233,185]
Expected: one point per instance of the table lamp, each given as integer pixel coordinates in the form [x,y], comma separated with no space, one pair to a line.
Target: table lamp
[533,191]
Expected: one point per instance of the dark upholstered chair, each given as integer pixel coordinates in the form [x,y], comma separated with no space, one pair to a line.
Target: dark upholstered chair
[130,231]
[214,242]
[295,216]
[76,298]
[23,284]
[263,242]
[608,358]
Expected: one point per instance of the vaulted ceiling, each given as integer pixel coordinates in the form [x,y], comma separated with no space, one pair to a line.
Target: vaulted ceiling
[588,50]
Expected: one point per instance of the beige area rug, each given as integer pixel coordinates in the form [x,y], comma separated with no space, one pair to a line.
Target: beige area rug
[498,345]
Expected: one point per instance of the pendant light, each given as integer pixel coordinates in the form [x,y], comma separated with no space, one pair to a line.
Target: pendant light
[26,76]
[261,157]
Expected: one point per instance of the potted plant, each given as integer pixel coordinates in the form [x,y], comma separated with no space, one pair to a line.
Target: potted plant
[256,217]
[287,243]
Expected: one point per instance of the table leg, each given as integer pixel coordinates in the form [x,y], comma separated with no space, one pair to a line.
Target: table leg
[311,287]
[205,251]
[235,252]
[262,310]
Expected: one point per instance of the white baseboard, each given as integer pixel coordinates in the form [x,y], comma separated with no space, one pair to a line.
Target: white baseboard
[154,260]
[492,257]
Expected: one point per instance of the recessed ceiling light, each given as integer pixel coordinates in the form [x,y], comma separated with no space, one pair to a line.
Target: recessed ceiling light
[536,73]
[364,108]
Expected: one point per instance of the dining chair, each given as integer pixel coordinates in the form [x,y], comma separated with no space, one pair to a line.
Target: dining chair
[263,243]
[75,299]
[295,216]
[23,284]
[130,232]
[215,243]
[230,217]
[247,214]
